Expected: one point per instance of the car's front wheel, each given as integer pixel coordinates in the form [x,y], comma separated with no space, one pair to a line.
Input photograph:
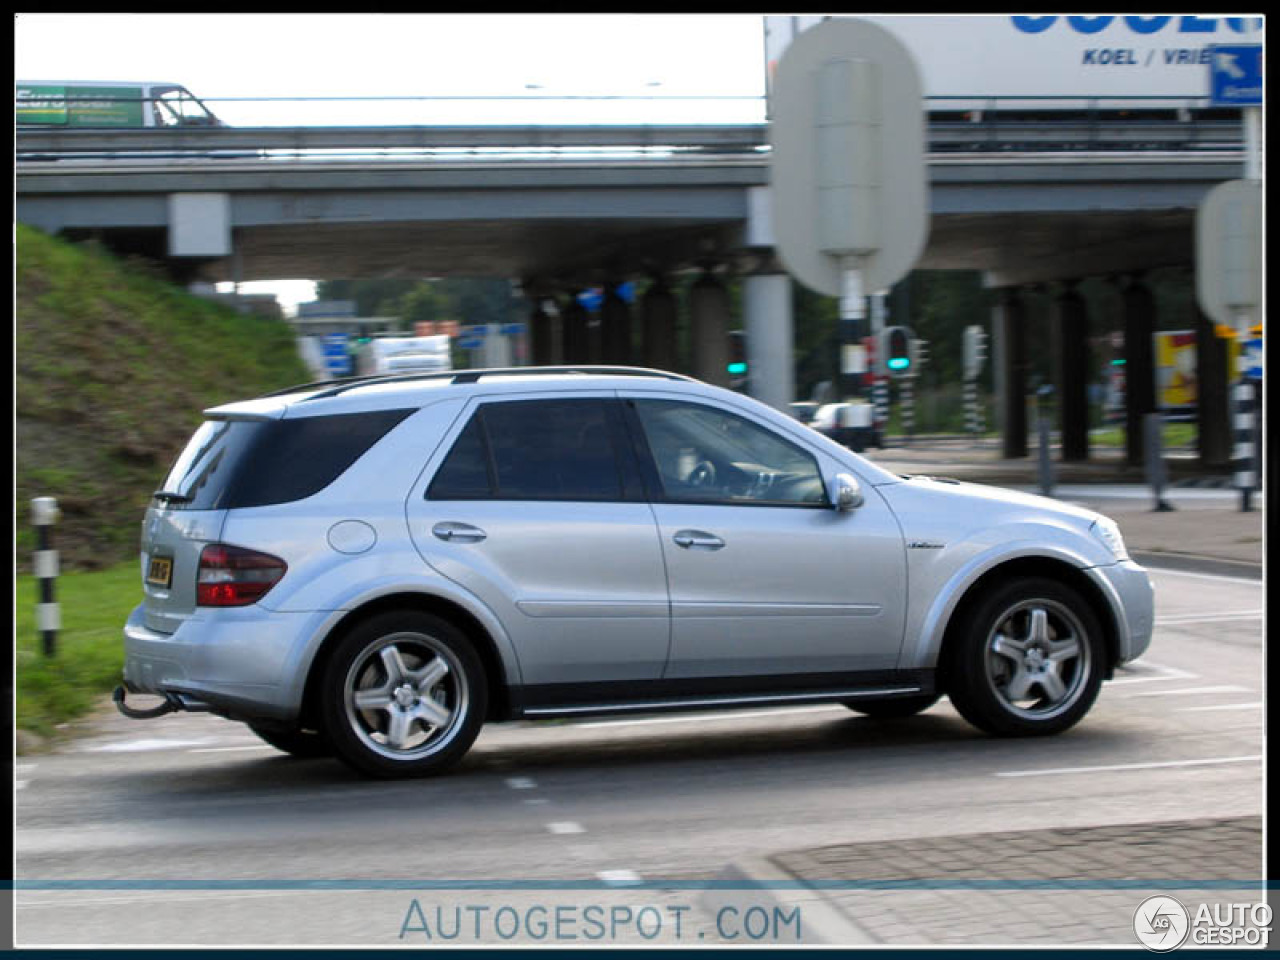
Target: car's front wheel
[1027,659]
[404,695]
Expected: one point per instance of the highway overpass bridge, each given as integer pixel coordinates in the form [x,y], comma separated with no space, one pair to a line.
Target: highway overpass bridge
[563,208]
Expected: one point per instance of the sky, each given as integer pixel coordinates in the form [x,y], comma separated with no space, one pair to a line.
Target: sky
[528,57]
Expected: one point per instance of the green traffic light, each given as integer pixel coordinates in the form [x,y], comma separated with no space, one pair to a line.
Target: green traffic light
[737,368]
[899,363]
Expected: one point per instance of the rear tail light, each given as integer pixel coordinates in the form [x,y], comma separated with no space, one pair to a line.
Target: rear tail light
[235,577]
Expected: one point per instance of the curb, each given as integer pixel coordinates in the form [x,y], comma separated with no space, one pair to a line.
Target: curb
[1194,563]
[758,882]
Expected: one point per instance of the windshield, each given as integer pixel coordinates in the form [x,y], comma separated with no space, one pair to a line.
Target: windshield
[176,107]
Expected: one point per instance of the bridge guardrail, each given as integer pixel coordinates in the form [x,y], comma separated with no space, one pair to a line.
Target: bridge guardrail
[956,124]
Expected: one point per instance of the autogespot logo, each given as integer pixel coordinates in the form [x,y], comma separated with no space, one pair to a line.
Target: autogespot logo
[1161,923]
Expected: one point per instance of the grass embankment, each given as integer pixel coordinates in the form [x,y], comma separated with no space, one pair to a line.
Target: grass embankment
[87,654]
[114,366]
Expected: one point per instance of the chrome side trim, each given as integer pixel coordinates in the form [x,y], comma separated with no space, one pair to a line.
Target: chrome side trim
[642,706]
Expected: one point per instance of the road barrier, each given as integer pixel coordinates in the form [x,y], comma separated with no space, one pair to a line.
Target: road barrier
[44,514]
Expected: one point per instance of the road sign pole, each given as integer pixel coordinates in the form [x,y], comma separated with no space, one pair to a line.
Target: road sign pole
[1252,143]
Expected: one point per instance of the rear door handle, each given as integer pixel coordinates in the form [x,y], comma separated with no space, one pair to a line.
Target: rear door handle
[451,531]
[690,539]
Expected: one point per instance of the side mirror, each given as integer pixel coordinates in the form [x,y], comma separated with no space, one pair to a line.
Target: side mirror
[844,493]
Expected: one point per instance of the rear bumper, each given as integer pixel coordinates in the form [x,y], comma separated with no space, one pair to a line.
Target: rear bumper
[230,662]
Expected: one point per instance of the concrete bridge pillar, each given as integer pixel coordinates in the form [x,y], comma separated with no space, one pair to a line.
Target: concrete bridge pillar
[766,308]
[575,335]
[615,328]
[1071,372]
[1009,325]
[658,319]
[709,333]
[1213,408]
[541,335]
[1139,364]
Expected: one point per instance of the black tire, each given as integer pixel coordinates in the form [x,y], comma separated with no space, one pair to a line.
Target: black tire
[304,744]
[425,692]
[1026,660]
[893,708]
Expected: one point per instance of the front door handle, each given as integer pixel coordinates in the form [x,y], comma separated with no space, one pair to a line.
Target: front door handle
[453,532]
[690,539]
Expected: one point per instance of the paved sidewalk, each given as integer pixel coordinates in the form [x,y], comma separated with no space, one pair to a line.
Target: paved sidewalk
[1062,886]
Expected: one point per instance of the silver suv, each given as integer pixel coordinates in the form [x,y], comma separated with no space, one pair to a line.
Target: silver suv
[377,566]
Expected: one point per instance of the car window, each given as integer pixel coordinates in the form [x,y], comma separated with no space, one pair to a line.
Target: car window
[707,455]
[229,464]
[533,450]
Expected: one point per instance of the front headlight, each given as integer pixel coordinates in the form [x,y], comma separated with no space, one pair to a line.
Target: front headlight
[1106,530]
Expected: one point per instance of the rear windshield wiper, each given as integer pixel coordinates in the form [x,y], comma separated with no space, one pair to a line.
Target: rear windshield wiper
[168,496]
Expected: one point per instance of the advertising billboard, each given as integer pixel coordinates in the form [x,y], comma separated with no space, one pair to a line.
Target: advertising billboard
[1002,56]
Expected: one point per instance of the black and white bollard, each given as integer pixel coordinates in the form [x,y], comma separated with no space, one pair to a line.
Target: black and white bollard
[907,399]
[975,422]
[44,514]
[1243,454]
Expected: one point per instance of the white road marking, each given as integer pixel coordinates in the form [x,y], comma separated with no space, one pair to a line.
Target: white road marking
[132,746]
[1170,571]
[703,717]
[255,746]
[1176,619]
[620,878]
[537,801]
[521,783]
[1223,688]
[1256,705]
[22,770]
[566,826]
[1162,673]
[1128,766]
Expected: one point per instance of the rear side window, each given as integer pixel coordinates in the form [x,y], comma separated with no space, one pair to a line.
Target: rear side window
[533,450]
[254,463]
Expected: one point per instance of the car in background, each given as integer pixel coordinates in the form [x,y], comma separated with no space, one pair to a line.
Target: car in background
[376,567]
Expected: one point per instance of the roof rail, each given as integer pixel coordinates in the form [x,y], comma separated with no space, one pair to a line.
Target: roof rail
[344,384]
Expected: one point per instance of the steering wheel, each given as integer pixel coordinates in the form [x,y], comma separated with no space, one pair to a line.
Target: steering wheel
[702,475]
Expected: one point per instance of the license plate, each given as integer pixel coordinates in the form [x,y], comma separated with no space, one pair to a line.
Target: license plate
[160,571]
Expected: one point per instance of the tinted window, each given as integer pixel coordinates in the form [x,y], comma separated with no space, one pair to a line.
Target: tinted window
[252,463]
[464,475]
[533,450]
[707,455]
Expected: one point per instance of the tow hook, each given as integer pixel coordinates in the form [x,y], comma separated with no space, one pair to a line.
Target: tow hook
[169,706]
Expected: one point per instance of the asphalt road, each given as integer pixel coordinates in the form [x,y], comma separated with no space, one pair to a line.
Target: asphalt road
[189,831]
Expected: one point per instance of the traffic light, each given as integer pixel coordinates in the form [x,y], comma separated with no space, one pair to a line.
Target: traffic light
[737,365]
[896,350]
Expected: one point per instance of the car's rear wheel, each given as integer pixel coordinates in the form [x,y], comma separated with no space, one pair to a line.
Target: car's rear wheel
[299,743]
[404,695]
[1027,660]
[893,708]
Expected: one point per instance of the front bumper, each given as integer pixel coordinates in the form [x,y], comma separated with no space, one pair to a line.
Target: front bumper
[1133,600]
[229,662]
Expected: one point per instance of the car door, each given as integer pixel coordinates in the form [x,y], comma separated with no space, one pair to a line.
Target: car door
[531,506]
[765,577]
